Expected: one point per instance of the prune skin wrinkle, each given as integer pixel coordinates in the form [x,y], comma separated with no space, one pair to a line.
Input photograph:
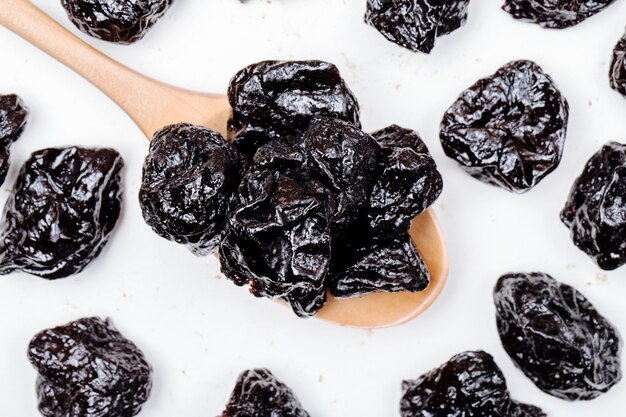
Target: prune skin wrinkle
[189,179]
[595,211]
[259,394]
[556,336]
[469,384]
[118,21]
[508,129]
[416,24]
[278,99]
[61,212]
[555,14]
[617,74]
[88,369]
[13,117]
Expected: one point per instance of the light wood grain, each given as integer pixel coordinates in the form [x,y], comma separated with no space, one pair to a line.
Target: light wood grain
[153,105]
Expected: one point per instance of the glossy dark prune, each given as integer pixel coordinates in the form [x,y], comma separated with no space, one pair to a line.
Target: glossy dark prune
[119,21]
[555,14]
[189,179]
[13,116]
[617,74]
[556,337]
[88,369]
[277,99]
[395,136]
[508,129]
[469,384]
[259,394]
[61,212]
[595,211]
[416,24]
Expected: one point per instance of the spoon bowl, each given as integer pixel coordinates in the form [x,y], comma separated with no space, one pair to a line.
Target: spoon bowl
[153,105]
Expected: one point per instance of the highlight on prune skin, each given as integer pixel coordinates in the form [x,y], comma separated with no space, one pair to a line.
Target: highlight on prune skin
[416,24]
[88,369]
[469,384]
[556,336]
[259,394]
[119,21]
[190,177]
[617,74]
[61,211]
[553,14]
[508,129]
[13,117]
[595,211]
[277,99]
[394,136]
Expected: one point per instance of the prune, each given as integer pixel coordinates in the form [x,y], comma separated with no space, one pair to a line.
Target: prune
[119,21]
[556,337]
[189,179]
[13,116]
[509,129]
[395,136]
[88,369]
[617,74]
[595,211]
[277,99]
[555,14]
[416,24]
[469,384]
[61,212]
[259,394]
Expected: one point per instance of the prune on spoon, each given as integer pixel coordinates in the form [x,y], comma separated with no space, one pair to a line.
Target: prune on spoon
[416,24]
[556,337]
[88,369]
[13,116]
[595,211]
[555,14]
[259,394]
[189,179]
[508,129]
[277,99]
[119,21]
[469,384]
[61,212]
[617,73]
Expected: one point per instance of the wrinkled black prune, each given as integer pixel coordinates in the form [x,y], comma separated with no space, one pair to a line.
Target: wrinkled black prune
[470,384]
[277,99]
[189,179]
[416,24]
[395,136]
[595,211]
[555,14]
[88,369]
[119,21]
[556,337]
[617,74]
[259,394]
[508,129]
[13,116]
[61,212]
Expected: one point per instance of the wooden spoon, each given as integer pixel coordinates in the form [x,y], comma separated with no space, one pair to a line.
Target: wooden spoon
[153,105]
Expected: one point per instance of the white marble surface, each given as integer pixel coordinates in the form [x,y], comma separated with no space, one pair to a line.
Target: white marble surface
[197,329]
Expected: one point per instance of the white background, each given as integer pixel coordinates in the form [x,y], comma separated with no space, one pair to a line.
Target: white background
[196,328]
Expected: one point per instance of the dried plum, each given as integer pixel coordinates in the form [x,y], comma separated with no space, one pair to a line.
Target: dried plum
[556,337]
[469,384]
[277,99]
[119,21]
[259,394]
[88,369]
[61,212]
[395,136]
[595,211]
[416,24]
[555,14]
[13,116]
[508,129]
[189,179]
[617,73]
